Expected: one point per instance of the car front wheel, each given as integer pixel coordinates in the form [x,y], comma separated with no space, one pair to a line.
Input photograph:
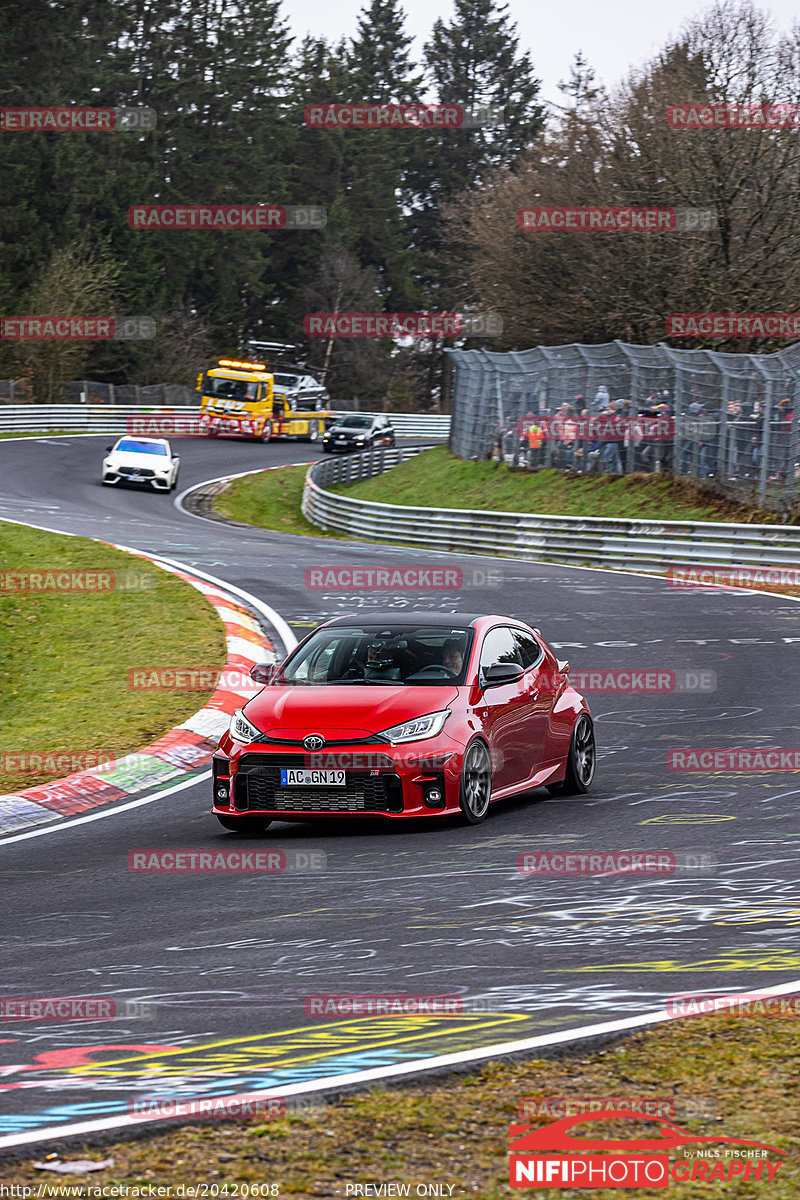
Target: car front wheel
[580,761]
[244,824]
[476,783]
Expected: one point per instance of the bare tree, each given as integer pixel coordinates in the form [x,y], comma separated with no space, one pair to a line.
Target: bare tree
[620,151]
[79,280]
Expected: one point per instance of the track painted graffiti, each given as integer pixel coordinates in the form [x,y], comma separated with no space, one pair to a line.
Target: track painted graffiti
[108,1075]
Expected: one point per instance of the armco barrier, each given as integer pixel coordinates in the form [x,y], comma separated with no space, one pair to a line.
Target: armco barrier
[107,418]
[586,541]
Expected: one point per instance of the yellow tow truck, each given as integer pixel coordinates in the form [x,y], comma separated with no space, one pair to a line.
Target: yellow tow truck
[240,399]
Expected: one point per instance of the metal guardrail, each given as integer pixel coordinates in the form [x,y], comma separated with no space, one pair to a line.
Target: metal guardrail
[108,418]
[585,541]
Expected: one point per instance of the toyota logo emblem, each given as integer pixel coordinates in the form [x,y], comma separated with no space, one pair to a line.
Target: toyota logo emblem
[314,741]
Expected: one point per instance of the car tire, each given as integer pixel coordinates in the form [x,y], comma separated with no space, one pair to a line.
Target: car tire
[244,824]
[581,760]
[476,783]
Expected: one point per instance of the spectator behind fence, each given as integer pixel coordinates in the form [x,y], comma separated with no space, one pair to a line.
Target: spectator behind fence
[601,398]
[612,460]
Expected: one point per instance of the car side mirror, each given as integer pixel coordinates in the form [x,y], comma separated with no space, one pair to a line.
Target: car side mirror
[262,672]
[109,448]
[500,673]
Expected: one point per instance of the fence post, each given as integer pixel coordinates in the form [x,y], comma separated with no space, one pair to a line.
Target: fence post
[792,457]
[766,426]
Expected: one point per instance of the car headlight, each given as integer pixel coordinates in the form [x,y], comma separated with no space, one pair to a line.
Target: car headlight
[243,730]
[418,729]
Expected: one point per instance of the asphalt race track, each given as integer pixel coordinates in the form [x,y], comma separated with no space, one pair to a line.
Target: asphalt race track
[221,967]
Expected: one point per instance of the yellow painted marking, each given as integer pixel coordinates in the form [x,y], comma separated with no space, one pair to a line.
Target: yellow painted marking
[684,819]
[338,1035]
[755,960]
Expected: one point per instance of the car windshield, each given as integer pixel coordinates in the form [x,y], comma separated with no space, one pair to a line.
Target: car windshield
[134,447]
[354,423]
[287,381]
[230,389]
[392,654]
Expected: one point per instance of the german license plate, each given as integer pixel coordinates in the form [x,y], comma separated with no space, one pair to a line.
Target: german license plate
[292,777]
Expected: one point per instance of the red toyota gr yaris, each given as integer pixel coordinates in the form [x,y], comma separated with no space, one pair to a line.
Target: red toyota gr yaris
[404,716]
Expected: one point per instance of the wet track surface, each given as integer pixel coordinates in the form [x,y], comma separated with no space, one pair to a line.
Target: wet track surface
[222,967]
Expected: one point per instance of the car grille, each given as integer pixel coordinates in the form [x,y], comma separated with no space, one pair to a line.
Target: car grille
[139,472]
[257,787]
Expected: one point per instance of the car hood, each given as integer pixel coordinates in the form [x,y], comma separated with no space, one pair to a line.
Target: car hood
[350,430]
[345,712]
[139,460]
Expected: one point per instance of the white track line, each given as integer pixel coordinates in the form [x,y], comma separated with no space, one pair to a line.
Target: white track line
[106,812]
[374,1074]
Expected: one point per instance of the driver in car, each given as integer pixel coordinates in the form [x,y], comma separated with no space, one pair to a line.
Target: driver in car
[452,657]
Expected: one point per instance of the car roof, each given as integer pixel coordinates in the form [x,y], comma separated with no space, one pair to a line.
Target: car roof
[416,618]
[135,437]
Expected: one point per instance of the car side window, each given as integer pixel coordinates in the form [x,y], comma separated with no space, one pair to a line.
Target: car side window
[500,646]
[529,649]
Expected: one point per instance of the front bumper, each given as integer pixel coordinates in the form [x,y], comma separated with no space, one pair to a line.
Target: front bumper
[160,483]
[410,780]
[344,447]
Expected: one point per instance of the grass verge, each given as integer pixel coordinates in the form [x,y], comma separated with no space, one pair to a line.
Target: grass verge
[38,433]
[270,500]
[435,479]
[741,1073]
[65,657]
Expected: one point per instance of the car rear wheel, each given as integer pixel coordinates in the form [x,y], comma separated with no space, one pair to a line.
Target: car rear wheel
[244,824]
[580,761]
[476,783]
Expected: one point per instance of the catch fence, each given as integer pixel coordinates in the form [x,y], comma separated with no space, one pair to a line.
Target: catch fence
[730,420]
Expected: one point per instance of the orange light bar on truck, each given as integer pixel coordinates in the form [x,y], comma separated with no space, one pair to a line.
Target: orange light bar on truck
[246,366]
